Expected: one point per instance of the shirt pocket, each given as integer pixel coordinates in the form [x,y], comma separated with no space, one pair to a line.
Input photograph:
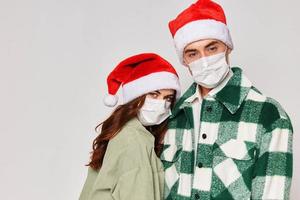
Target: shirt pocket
[235,149]
[233,168]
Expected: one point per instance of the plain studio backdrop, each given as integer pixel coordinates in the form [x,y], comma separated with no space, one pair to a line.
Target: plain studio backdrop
[55,56]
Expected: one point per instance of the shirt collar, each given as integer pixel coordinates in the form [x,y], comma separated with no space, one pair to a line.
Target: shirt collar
[197,94]
[231,92]
[194,97]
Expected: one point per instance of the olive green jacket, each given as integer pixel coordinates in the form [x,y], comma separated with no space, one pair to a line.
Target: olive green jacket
[130,171]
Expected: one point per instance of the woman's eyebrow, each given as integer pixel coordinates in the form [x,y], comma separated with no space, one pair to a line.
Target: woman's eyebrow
[156,92]
[170,95]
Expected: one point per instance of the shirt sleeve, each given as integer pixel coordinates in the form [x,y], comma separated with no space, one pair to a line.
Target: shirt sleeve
[88,185]
[274,164]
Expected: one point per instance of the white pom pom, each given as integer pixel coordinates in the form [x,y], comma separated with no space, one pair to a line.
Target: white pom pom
[110,100]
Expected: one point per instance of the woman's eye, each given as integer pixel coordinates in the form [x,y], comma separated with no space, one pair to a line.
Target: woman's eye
[169,99]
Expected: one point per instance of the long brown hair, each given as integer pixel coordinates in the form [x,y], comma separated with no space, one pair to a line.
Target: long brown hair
[113,124]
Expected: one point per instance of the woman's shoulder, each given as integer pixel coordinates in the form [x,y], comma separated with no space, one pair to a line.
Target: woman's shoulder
[133,132]
[133,143]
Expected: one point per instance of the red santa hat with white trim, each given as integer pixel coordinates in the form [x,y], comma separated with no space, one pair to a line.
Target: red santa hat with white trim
[204,19]
[139,75]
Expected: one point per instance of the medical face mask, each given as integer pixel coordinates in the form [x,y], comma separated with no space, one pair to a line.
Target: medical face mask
[210,71]
[154,111]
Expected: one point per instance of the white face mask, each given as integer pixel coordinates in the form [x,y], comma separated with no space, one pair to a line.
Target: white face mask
[154,111]
[210,71]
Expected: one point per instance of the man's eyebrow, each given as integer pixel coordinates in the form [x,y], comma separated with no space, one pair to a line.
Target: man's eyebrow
[211,43]
[190,50]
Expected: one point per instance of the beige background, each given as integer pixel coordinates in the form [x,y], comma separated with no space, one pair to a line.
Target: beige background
[56,54]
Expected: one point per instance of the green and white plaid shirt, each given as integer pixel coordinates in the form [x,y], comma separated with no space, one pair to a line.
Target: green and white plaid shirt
[244,150]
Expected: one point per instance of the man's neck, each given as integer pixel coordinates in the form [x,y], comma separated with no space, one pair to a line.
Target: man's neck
[204,91]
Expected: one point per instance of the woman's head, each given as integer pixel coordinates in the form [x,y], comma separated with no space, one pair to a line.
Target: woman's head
[150,86]
[124,113]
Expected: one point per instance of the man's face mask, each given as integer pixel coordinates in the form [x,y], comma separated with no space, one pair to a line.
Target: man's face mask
[210,71]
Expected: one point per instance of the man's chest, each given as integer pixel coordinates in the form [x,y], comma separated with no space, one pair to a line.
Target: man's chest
[223,153]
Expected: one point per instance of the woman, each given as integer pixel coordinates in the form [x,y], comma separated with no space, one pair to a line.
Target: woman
[124,162]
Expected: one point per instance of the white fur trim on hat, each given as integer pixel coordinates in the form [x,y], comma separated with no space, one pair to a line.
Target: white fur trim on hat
[149,83]
[198,30]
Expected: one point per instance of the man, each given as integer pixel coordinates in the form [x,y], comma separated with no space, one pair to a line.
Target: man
[226,140]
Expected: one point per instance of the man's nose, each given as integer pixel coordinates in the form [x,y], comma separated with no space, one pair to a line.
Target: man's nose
[203,54]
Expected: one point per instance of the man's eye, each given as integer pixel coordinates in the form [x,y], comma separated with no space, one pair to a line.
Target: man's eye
[191,55]
[212,48]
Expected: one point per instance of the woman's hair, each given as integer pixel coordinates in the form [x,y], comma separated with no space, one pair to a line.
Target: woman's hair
[113,124]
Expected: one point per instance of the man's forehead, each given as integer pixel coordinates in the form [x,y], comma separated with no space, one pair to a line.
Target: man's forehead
[202,43]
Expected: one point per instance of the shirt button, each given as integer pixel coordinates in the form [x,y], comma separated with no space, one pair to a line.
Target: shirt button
[208,108]
[200,164]
[204,136]
[197,196]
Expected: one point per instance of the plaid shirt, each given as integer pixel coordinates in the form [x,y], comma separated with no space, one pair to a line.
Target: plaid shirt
[244,149]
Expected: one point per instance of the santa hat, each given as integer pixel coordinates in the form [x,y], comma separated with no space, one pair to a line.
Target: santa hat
[139,75]
[204,19]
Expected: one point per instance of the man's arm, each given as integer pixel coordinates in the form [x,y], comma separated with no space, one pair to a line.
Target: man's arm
[273,168]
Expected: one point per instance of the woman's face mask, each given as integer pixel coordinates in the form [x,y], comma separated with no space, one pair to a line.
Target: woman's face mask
[154,111]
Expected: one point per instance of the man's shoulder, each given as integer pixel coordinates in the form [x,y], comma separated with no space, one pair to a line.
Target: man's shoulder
[270,109]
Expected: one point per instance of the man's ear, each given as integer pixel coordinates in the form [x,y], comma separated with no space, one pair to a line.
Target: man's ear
[227,57]
[229,51]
